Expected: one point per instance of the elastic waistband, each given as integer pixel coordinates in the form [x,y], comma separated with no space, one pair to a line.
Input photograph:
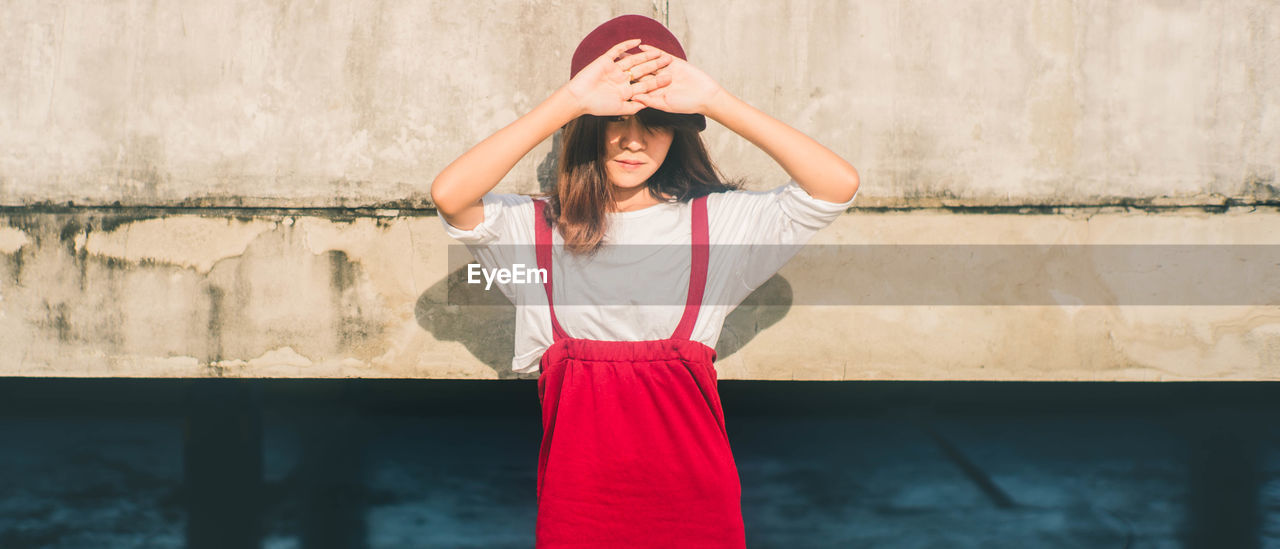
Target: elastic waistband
[630,351]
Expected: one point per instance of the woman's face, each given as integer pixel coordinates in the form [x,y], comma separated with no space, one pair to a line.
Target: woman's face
[633,153]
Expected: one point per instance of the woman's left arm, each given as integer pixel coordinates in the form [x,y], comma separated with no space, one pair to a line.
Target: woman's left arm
[822,173]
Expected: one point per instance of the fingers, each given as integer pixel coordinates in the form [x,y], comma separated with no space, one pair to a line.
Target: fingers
[640,86]
[642,68]
[635,59]
[651,100]
[667,60]
[649,60]
[621,47]
[649,83]
[631,107]
[647,48]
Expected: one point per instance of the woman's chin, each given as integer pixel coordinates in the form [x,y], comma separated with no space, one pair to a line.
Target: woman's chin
[627,183]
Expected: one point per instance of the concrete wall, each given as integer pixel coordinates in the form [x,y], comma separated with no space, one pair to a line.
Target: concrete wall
[248,180]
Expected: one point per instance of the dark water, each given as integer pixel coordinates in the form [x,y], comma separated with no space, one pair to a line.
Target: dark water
[378,464]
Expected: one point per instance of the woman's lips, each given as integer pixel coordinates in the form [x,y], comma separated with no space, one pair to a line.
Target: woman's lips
[629,165]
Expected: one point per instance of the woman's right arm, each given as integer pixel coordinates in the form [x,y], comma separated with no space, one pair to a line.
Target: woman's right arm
[602,88]
[458,190]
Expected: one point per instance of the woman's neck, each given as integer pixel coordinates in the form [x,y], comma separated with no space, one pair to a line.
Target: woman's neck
[630,200]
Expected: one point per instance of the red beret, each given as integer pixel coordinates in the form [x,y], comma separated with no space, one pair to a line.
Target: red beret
[627,27]
[621,29]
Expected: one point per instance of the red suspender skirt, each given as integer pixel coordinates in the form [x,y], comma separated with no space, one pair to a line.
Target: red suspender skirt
[634,448]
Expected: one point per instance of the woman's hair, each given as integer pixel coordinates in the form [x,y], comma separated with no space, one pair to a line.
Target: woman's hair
[581,199]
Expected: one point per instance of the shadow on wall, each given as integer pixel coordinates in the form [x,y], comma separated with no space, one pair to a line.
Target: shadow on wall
[484,322]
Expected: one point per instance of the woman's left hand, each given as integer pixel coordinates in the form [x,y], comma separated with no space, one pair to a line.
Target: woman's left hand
[690,91]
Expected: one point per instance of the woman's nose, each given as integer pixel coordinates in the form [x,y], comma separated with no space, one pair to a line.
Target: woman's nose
[632,135]
[632,144]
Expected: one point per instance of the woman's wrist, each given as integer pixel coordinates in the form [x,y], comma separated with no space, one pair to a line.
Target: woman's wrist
[565,104]
[720,105]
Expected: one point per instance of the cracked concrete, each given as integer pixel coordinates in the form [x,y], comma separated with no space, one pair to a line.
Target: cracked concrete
[307,296]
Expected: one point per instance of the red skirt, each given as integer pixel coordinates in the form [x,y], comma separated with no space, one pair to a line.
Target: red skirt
[634,448]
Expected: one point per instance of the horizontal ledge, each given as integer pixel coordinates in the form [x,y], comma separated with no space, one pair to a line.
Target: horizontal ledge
[428,209]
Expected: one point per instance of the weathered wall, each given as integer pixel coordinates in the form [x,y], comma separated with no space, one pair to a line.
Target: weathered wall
[290,295]
[356,103]
[249,179]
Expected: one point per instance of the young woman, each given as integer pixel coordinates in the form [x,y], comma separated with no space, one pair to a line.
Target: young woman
[634,450]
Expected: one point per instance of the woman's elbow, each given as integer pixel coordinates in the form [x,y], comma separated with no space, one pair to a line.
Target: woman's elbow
[849,182]
[441,198]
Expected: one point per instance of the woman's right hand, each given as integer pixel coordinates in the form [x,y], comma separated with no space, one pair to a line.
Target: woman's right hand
[602,88]
[605,87]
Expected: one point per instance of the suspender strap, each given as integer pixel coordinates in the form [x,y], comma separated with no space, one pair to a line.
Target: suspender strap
[697,271]
[542,237]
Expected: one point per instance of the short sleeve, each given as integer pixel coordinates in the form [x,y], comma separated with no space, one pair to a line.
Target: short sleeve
[755,233]
[503,239]
[500,214]
[801,208]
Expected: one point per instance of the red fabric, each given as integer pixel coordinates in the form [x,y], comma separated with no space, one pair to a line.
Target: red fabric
[618,30]
[650,32]
[634,447]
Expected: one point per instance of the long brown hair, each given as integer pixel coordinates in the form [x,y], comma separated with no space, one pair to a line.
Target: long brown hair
[578,204]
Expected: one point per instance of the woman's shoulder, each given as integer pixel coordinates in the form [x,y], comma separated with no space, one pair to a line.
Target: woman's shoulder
[517,208]
[512,210]
[507,217]
[736,199]
[786,193]
[509,200]
[780,208]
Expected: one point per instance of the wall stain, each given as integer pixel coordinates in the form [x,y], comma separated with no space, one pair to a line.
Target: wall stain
[70,228]
[353,330]
[1123,205]
[1261,184]
[17,266]
[214,352]
[110,297]
[1262,193]
[58,319]
[72,220]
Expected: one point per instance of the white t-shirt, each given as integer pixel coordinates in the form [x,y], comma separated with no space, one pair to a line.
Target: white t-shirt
[752,235]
